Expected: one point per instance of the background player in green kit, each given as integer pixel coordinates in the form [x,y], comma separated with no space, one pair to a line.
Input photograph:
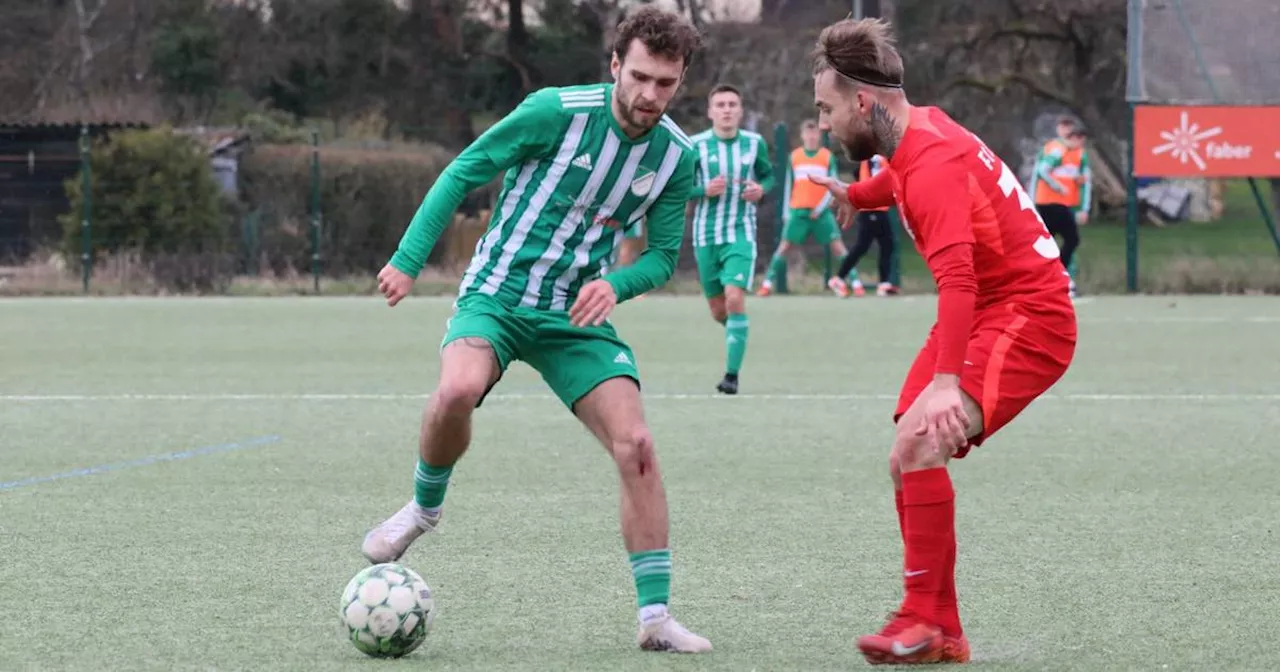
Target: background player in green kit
[733,174]
[582,164]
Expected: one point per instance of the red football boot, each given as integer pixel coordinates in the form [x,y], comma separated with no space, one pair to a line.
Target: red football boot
[905,640]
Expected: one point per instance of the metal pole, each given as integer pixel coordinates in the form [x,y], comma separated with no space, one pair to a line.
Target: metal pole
[1266,213]
[1134,94]
[316,216]
[1131,219]
[86,209]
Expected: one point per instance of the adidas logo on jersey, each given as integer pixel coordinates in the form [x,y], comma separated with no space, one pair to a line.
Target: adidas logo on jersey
[739,277]
[622,358]
[583,161]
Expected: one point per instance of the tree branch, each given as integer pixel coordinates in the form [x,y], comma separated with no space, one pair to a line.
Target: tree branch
[526,77]
[1003,83]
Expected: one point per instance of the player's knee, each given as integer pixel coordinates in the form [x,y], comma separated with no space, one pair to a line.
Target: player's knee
[719,313]
[458,396]
[735,302]
[633,452]
[909,451]
[895,470]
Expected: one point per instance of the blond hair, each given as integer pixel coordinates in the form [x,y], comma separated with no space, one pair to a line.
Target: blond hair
[862,51]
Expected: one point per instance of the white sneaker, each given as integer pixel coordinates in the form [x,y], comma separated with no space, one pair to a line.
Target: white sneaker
[388,541]
[665,634]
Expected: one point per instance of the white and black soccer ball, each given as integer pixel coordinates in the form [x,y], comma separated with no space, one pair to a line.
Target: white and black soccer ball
[387,610]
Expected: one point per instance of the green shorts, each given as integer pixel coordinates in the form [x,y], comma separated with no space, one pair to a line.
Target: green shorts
[572,360]
[726,264]
[799,226]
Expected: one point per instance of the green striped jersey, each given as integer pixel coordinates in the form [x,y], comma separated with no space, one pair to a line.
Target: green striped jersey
[574,184]
[728,218]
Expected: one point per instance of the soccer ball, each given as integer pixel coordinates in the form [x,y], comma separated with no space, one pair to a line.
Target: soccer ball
[387,610]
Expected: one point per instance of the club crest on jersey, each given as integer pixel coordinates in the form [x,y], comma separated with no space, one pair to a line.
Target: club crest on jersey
[641,186]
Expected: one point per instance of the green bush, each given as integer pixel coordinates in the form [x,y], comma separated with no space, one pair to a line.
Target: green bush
[153,195]
[367,197]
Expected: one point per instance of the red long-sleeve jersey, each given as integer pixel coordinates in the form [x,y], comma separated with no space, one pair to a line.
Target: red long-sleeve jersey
[973,223]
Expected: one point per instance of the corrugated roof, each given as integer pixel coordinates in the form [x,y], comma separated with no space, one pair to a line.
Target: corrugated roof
[37,123]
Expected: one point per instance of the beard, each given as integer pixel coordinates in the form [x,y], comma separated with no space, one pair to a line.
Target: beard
[861,146]
[632,114]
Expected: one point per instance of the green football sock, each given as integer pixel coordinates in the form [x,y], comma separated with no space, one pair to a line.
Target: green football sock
[652,572]
[735,340]
[776,267]
[429,484]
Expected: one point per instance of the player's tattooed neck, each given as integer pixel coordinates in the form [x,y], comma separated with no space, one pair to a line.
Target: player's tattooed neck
[886,130]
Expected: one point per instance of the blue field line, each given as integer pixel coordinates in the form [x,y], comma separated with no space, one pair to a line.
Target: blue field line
[144,461]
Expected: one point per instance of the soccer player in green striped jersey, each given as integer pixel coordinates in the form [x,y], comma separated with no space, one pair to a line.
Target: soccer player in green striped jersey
[583,164]
[733,174]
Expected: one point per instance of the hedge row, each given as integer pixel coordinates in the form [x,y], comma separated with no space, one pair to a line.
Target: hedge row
[367,197]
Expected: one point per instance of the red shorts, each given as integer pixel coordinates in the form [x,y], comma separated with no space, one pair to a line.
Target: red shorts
[1014,355]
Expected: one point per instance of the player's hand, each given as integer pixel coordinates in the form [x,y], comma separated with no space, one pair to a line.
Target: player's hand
[716,187]
[394,284]
[845,215]
[1082,218]
[839,190]
[945,422]
[594,304]
[753,192]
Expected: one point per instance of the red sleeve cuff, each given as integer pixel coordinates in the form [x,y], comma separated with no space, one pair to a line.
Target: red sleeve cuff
[957,292]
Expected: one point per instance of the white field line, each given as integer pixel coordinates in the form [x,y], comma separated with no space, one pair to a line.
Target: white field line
[283,397]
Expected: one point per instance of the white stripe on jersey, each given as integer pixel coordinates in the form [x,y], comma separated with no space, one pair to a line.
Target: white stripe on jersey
[700,212]
[579,99]
[676,133]
[484,248]
[728,190]
[546,187]
[556,248]
[597,92]
[735,186]
[582,253]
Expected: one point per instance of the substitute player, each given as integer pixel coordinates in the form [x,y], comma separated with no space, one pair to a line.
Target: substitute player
[733,173]
[1006,329]
[808,211]
[582,163]
[874,226]
[1062,185]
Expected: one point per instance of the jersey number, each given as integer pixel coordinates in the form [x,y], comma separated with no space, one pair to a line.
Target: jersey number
[1045,245]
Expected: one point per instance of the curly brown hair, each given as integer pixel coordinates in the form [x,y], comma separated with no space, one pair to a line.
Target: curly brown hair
[663,33]
[862,51]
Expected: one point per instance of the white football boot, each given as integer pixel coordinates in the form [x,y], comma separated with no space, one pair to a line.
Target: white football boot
[389,540]
[663,633]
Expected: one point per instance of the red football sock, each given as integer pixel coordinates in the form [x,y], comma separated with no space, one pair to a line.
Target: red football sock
[902,514]
[929,523]
[948,611]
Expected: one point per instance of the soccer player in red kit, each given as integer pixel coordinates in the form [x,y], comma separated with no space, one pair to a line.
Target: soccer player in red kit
[1006,327]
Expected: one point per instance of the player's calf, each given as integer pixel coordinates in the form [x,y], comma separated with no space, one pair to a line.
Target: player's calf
[614,414]
[468,369]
